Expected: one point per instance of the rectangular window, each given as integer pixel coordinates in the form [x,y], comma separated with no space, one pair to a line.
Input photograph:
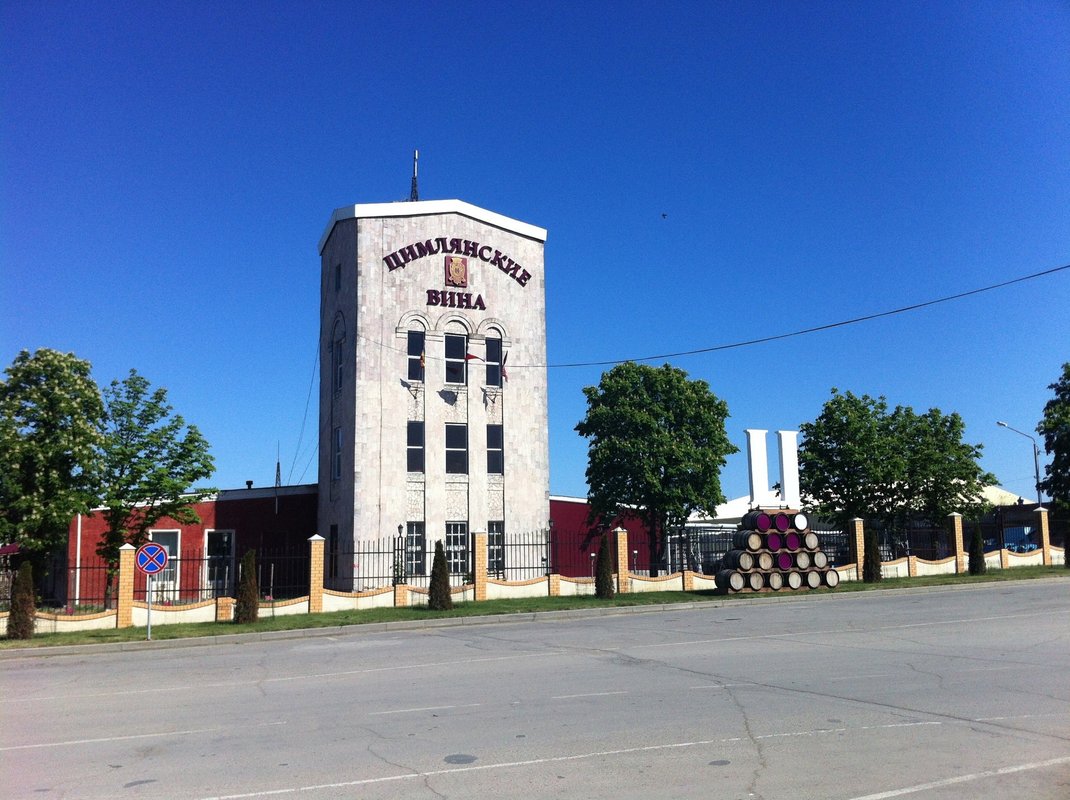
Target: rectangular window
[495,450]
[415,549]
[415,455]
[336,455]
[416,355]
[496,548]
[456,358]
[457,547]
[337,363]
[456,449]
[494,362]
[337,277]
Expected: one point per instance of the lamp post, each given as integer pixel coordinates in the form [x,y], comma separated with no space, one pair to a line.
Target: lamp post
[1036,455]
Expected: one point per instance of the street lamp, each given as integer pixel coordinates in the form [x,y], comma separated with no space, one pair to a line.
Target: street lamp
[1036,455]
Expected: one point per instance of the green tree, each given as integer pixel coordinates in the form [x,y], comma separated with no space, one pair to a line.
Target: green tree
[847,463]
[857,459]
[247,605]
[1055,428]
[150,460]
[50,412]
[439,597]
[603,581]
[657,444]
[941,473]
[20,620]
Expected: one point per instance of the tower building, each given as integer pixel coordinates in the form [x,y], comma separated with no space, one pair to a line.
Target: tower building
[433,396]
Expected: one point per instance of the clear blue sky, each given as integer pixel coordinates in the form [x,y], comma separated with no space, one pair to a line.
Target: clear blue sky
[708,173]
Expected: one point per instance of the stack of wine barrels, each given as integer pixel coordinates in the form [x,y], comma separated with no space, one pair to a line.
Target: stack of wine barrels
[773,551]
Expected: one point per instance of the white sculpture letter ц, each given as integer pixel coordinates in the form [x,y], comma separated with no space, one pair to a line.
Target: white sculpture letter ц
[761,493]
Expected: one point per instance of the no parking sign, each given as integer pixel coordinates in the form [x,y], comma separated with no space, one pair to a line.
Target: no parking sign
[150,558]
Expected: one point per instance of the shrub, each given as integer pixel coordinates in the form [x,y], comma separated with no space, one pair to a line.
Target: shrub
[247,608]
[440,598]
[603,580]
[21,616]
[871,560]
[977,564]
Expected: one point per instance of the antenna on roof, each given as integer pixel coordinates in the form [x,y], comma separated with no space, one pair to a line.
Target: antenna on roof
[414,193]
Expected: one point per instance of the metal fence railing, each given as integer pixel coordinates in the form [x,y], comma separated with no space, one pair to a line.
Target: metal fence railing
[518,556]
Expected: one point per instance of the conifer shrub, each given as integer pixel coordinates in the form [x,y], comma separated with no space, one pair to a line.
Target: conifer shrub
[871,560]
[603,576]
[977,565]
[20,619]
[440,598]
[247,607]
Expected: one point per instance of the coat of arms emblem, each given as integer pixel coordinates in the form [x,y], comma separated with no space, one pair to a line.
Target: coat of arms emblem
[457,271]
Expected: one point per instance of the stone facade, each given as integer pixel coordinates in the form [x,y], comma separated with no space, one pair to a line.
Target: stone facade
[468,284]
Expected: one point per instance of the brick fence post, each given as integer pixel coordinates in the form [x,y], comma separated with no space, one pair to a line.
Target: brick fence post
[553,585]
[623,574]
[954,522]
[124,617]
[315,574]
[857,542]
[479,570]
[1045,534]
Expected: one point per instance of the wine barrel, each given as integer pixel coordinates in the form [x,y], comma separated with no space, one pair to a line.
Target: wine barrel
[802,560]
[757,520]
[799,522]
[739,559]
[831,578]
[765,561]
[793,579]
[774,541]
[792,540]
[756,580]
[774,580]
[730,580]
[819,559]
[748,540]
[813,579]
[782,522]
[783,561]
[810,541]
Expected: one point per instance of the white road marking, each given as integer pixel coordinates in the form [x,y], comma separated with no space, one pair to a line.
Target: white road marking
[588,694]
[425,708]
[722,685]
[530,763]
[73,742]
[976,776]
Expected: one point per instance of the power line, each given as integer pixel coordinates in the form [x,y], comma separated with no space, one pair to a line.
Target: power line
[779,336]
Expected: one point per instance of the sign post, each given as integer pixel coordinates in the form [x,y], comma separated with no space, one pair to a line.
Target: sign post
[150,558]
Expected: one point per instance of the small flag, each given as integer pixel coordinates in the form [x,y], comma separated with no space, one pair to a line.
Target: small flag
[504,373]
[469,357]
[422,364]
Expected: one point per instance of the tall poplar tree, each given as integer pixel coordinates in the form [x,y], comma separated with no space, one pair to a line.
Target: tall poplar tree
[657,444]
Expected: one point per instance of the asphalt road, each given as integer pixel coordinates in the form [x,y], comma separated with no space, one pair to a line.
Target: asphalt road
[936,695]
